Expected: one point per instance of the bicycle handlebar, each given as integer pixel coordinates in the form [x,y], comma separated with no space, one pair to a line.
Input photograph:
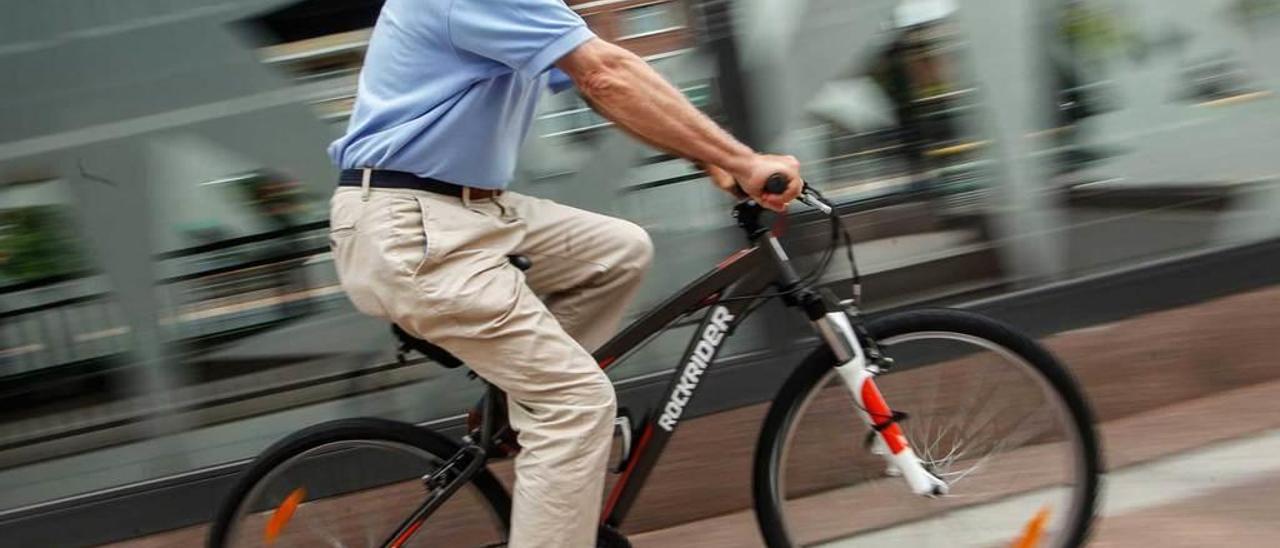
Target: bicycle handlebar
[775,184]
[778,183]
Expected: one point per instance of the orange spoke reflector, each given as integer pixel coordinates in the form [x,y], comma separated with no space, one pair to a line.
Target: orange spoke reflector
[1034,530]
[282,515]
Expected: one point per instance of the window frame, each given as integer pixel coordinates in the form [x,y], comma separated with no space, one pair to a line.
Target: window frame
[621,15]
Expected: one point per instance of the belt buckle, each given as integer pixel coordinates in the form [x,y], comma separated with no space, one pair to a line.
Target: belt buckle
[470,193]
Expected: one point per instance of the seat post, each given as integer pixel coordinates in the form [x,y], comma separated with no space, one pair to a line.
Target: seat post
[489,416]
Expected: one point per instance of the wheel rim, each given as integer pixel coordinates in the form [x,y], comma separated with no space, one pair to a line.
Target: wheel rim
[354,493]
[1018,472]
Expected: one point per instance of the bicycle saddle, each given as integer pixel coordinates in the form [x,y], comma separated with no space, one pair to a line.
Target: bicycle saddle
[439,355]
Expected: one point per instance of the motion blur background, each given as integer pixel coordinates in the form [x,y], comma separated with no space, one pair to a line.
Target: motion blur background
[1104,173]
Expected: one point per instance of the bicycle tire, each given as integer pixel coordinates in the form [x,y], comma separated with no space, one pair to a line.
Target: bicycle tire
[360,429]
[788,403]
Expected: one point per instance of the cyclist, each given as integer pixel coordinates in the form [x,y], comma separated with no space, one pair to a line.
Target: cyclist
[421,226]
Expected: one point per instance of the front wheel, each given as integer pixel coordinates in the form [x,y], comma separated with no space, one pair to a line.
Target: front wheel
[987,410]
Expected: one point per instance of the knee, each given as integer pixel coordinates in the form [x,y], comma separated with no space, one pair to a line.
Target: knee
[635,247]
[605,398]
[597,399]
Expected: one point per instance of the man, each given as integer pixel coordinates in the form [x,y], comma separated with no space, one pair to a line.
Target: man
[421,227]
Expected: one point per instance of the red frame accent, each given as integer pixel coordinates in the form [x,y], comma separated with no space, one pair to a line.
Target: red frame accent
[780,225]
[710,299]
[607,362]
[733,258]
[621,486]
[406,534]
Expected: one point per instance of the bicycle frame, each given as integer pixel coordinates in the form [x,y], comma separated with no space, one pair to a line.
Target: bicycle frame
[727,293]
[743,274]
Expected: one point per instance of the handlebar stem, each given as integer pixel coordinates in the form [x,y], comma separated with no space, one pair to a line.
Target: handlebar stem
[747,213]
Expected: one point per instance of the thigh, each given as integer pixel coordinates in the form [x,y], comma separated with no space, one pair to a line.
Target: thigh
[405,254]
[440,271]
[378,244]
[569,246]
[495,324]
[464,296]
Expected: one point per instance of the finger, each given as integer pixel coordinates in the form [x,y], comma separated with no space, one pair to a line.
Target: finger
[792,191]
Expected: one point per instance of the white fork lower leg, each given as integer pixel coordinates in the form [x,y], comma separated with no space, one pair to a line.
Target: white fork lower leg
[897,452]
[919,479]
[857,379]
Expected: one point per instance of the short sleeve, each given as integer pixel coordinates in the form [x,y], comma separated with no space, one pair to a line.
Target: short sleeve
[558,80]
[527,35]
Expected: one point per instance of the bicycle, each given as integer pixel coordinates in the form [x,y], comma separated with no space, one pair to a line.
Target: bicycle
[1024,472]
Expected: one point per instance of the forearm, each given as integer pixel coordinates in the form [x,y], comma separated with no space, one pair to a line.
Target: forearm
[628,92]
[651,143]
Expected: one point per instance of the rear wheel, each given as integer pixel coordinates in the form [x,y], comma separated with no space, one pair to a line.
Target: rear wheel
[352,483]
[988,410]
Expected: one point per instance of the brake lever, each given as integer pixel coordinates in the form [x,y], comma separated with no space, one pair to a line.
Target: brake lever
[807,197]
[777,184]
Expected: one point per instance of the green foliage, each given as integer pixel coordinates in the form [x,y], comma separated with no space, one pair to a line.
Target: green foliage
[37,242]
[1093,30]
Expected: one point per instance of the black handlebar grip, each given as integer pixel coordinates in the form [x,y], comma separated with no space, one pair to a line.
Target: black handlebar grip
[776,184]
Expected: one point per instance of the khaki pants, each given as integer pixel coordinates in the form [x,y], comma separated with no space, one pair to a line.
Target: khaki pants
[437,266]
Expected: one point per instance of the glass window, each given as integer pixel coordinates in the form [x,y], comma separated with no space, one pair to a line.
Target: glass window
[651,19]
[579,117]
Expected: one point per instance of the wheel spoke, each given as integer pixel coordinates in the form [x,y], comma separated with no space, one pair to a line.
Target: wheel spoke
[357,490]
[998,433]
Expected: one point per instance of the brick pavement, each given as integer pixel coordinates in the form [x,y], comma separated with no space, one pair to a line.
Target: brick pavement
[1164,382]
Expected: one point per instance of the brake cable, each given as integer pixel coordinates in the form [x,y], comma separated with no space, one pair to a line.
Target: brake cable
[838,233]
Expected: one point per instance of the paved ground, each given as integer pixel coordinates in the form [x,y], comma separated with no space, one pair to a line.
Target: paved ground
[1193,474]
[1199,473]
[1165,385]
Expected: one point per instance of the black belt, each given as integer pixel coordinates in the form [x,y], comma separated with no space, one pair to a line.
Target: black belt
[379,178]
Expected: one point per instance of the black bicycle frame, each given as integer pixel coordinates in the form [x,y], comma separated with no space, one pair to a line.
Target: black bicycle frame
[729,293]
[746,273]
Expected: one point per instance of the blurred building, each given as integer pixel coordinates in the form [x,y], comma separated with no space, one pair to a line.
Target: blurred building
[166,298]
[643,26]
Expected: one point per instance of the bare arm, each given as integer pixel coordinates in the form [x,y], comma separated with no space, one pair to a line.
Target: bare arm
[626,90]
[656,145]
[718,175]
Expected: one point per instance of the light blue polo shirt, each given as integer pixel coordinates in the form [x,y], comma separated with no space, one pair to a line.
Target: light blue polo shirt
[449,87]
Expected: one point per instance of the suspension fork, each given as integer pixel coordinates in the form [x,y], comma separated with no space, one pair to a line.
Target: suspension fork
[858,375]
[834,326]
